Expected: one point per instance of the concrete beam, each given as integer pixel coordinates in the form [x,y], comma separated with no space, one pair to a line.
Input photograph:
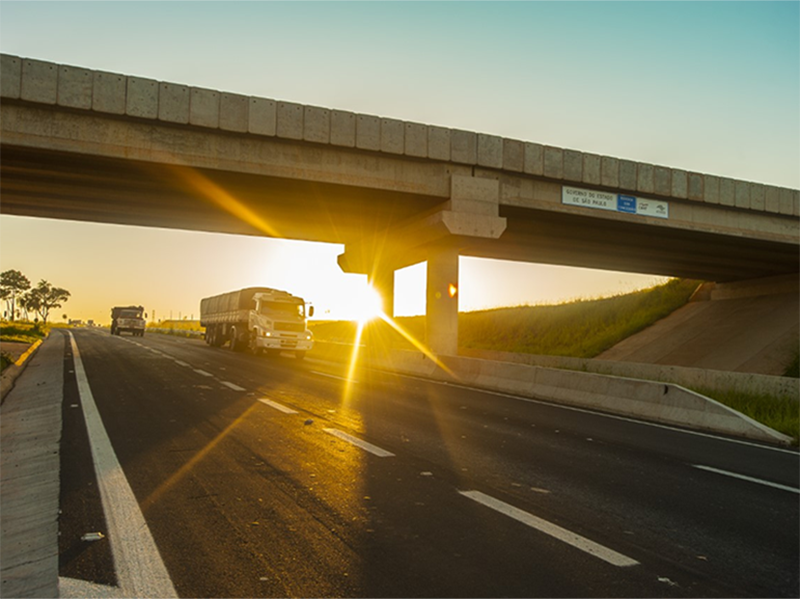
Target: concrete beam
[109,92]
[141,99]
[262,117]
[204,108]
[290,120]
[10,76]
[233,113]
[173,103]
[471,212]
[75,88]
[39,81]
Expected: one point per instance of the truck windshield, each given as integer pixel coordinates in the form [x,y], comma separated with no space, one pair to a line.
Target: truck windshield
[130,314]
[283,309]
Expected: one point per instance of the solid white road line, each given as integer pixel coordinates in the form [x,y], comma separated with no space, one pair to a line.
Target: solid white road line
[554,404]
[277,406]
[373,449]
[233,386]
[138,564]
[747,478]
[555,531]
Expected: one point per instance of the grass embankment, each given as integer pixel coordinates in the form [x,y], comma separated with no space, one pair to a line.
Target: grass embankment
[19,332]
[580,329]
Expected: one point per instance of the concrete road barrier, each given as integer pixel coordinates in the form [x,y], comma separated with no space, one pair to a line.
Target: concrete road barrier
[654,401]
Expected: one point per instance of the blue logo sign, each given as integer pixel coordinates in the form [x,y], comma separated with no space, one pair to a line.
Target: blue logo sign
[626,204]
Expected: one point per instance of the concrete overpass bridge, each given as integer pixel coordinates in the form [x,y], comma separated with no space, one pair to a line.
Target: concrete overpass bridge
[106,147]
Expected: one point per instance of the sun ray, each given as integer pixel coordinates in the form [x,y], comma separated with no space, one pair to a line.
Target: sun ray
[219,196]
[184,470]
[416,343]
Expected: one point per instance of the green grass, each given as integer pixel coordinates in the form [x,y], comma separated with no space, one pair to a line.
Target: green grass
[19,332]
[22,332]
[581,329]
[781,414]
[793,370]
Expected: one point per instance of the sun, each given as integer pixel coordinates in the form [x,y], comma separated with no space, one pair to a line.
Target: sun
[368,305]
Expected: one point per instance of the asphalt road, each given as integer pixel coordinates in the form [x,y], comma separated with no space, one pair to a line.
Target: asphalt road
[249,479]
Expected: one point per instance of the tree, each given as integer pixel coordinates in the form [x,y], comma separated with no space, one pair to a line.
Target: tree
[13,284]
[45,297]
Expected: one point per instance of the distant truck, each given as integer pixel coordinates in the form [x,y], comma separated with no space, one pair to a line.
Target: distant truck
[128,319]
[257,319]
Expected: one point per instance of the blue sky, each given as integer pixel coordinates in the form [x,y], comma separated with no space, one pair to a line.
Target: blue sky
[705,86]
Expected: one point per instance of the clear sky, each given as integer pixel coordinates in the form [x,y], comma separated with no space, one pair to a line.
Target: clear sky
[709,87]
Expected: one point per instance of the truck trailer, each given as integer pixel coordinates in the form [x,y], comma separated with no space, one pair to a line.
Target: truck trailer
[257,319]
[128,319]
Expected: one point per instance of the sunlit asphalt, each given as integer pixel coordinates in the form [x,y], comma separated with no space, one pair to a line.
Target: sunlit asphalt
[273,477]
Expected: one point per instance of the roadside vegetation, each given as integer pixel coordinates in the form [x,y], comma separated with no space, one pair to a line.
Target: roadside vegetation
[22,332]
[19,332]
[179,328]
[580,329]
[793,370]
[779,413]
[23,299]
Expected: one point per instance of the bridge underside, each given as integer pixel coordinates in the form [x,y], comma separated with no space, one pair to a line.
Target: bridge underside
[66,185]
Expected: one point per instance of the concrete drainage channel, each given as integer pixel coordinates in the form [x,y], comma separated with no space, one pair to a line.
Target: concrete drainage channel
[664,403]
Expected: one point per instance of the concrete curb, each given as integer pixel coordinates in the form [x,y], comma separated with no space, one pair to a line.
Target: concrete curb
[653,401]
[11,373]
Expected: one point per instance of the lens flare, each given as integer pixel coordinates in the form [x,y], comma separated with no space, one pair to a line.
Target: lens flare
[369,306]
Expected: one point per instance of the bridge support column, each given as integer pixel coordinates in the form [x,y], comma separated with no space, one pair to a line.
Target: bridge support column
[441,322]
[383,283]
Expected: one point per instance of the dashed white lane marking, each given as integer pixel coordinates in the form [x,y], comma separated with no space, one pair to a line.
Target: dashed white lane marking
[747,478]
[233,386]
[277,406]
[333,376]
[138,564]
[203,372]
[182,363]
[553,530]
[373,449]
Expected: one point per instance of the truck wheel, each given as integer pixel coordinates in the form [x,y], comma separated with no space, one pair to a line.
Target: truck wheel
[253,343]
[236,343]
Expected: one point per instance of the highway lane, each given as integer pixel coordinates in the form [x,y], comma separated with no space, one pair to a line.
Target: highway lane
[252,498]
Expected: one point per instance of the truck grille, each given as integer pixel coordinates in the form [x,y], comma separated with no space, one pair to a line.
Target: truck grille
[294,327]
